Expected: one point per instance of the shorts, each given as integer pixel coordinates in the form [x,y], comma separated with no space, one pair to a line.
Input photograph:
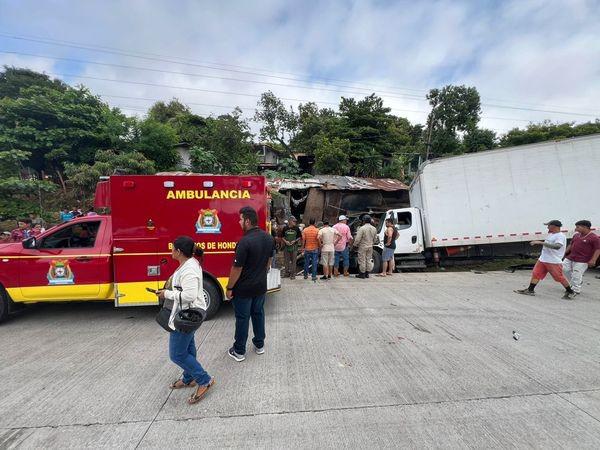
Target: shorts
[327,258]
[388,254]
[541,269]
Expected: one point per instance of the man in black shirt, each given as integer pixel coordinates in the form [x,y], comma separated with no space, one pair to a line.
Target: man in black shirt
[248,283]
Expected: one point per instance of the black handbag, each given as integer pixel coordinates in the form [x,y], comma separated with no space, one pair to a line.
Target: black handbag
[162,318]
[188,320]
[164,314]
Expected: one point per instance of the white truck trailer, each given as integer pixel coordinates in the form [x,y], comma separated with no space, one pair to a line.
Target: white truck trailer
[492,203]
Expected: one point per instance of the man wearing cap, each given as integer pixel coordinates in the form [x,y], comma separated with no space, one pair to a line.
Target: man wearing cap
[365,239]
[581,253]
[342,247]
[5,237]
[550,261]
[291,236]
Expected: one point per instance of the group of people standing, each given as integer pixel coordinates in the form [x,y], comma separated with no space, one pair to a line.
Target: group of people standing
[330,246]
[26,228]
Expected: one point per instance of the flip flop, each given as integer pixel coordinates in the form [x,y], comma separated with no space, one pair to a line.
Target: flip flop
[200,392]
[179,384]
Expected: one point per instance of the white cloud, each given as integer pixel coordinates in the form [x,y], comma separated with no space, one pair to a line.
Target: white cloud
[527,53]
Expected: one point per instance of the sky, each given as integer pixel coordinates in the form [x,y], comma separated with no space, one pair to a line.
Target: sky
[530,60]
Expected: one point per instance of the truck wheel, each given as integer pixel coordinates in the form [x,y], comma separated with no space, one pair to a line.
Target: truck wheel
[212,297]
[4,304]
[376,262]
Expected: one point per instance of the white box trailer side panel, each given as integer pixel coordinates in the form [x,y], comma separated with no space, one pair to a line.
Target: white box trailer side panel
[506,195]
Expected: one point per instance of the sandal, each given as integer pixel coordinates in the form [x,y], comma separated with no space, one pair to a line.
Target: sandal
[179,384]
[201,392]
[381,275]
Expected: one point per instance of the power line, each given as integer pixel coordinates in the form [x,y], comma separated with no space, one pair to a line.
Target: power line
[282,98]
[172,72]
[162,58]
[201,65]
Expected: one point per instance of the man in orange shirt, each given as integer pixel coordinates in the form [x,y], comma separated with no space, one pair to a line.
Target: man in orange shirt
[311,249]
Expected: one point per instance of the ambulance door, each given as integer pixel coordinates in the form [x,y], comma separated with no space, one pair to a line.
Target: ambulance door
[65,264]
[137,265]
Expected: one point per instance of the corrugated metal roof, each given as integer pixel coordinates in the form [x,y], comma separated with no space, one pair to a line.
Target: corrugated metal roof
[338,183]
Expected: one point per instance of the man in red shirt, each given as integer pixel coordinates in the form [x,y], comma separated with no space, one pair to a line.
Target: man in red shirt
[22,232]
[581,253]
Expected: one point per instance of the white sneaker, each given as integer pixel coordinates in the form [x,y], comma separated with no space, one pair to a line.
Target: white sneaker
[259,351]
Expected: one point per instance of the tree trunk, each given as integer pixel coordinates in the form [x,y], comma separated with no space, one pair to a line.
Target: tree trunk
[62,181]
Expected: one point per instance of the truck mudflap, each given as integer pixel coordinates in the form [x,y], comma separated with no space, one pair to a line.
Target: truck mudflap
[274,280]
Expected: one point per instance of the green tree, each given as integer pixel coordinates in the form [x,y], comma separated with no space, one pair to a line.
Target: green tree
[13,79]
[156,141]
[331,157]
[279,124]
[313,124]
[205,161]
[454,109]
[546,131]
[54,123]
[370,128]
[166,112]
[18,195]
[228,137]
[478,140]
[83,177]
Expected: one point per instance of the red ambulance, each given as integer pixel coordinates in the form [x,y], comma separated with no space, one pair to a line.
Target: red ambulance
[115,257]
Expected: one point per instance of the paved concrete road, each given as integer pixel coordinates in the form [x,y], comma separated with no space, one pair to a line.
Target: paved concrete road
[417,360]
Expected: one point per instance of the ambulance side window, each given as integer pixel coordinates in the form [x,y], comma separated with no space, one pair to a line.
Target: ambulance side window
[78,235]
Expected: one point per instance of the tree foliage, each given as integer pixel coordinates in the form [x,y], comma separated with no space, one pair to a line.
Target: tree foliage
[331,157]
[156,141]
[279,124]
[53,134]
[548,131]
[454,110]
[83,177]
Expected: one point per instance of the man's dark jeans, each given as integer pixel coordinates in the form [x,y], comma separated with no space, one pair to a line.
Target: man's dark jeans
[311,257]
[246,309]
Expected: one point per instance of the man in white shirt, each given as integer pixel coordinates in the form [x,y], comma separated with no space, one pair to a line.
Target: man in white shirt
[328,237]
[550,261]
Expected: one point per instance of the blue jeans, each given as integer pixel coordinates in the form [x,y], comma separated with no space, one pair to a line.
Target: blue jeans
[344,255]
[182,351]
[311,257]
[246,309]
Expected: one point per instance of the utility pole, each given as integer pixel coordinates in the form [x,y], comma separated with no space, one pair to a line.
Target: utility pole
[429,132]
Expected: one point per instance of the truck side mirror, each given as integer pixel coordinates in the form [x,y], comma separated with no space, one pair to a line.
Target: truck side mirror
[30,242]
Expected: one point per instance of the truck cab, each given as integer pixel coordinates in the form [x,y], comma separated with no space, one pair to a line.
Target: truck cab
[410,242]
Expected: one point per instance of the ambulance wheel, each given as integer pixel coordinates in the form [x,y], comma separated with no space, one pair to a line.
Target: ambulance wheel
[212,297]
[4,304]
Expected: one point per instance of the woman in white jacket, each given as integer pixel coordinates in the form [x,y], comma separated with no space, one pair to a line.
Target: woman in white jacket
[187,292]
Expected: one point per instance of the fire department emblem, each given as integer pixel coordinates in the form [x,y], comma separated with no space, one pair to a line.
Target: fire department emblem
[208,221]
[60,273]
